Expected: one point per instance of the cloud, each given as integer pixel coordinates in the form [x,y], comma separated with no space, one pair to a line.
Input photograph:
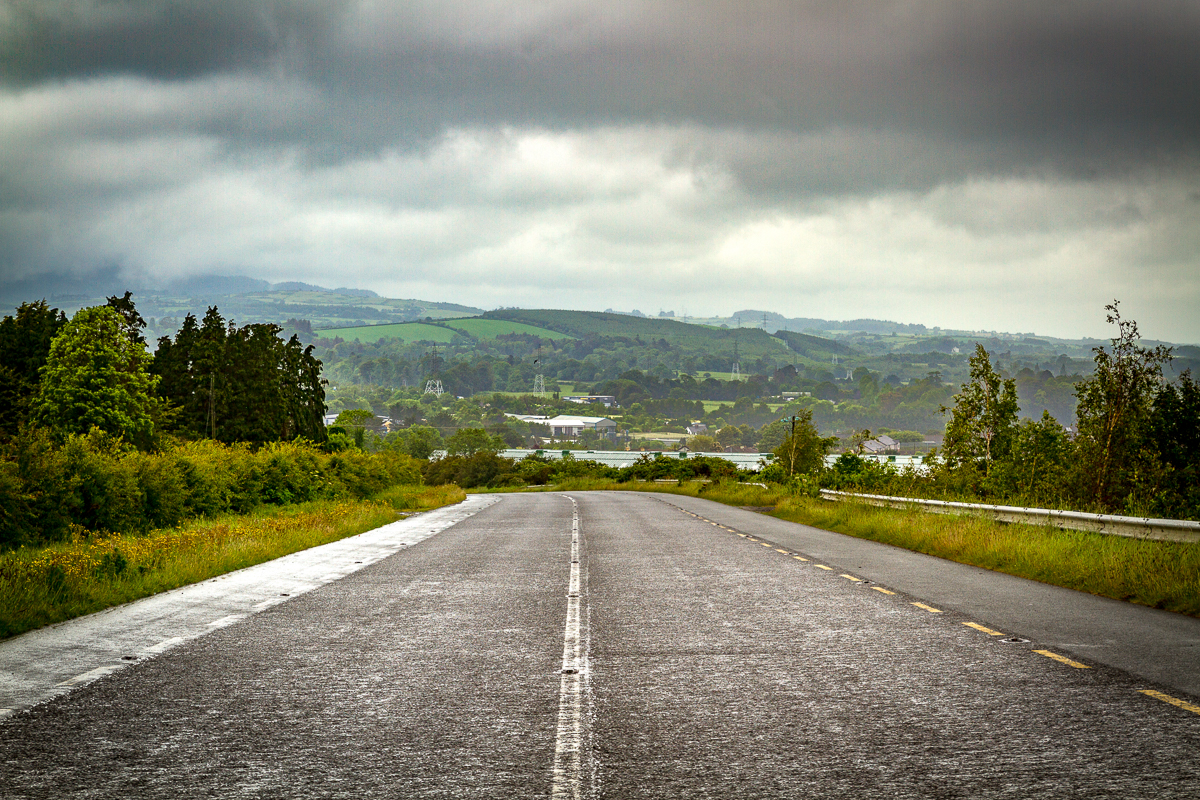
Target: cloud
[943,162]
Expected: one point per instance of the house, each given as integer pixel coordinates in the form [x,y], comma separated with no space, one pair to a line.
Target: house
[569,427]
[697,428]
[881,445]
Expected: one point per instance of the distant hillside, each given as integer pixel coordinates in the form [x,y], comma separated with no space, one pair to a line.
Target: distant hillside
[749,342]
[443,331]
[814,346]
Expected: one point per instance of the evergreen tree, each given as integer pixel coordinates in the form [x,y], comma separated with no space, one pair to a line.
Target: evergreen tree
[241,384]
[1174,430]
[131,321]
[24,346]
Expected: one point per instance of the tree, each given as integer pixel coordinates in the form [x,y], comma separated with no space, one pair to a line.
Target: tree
[1036,469]
[241,384]
[97,376]
[803,451]
[131,321]
[1114,413]
[469,441]
[355,421]
[983,418]
[1174,431]
[24,346]
[420,441]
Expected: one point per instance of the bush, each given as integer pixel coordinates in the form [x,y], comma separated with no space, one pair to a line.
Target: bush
[97,482]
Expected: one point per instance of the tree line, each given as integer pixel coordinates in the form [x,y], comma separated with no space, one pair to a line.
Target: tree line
[97,433]
[1134,448]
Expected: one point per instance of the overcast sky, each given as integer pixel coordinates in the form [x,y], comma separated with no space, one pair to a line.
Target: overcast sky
[983,165]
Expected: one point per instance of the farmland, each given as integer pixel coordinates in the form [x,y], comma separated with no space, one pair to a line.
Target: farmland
[483,328]
[403,331]
[750,342]
[443,333]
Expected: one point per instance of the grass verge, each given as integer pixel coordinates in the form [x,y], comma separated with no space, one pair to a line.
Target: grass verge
[1159,574]
[41,586]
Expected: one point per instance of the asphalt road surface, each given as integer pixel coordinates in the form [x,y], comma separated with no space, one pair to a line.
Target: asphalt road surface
[625,645]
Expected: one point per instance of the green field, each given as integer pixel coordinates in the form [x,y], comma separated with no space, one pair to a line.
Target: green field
[713,405]
[750,341]
[471,327]
[405,331]
[481,328]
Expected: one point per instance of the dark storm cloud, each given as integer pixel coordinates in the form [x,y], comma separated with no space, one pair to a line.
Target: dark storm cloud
[48,40]
[1015,85]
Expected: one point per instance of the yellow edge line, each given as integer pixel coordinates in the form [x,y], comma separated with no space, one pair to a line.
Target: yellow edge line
[1175,701]
[800,558]
[930,609]
[850,577]
[881,589]
[822,566]
[979,627]
[1062,659]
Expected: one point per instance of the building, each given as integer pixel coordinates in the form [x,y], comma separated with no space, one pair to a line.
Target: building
[697,428]
[881,445]
[569,427]
[606,400]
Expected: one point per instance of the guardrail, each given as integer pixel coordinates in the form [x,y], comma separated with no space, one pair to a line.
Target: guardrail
[1164,530]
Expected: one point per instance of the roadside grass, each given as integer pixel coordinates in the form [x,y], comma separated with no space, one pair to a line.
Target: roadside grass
[41,586]
[1162,575]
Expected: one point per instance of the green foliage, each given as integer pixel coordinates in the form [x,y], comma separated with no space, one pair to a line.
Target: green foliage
[1116,406]
[853,473]
[1174,430]
[24,346]
[418,441]
[98,482]
[804,449]
[1038,466]
[983,419]
[469,441]
[355,420]
[96,376]
[241,384]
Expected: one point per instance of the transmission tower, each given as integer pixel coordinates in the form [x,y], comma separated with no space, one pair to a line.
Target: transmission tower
[736,375]
[434,388]
[539,385]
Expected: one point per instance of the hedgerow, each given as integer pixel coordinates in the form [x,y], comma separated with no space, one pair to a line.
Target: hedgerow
[99,483]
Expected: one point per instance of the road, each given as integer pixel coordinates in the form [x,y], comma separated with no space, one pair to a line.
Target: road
[621,645]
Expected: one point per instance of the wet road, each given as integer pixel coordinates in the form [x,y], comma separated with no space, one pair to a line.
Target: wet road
[621,645]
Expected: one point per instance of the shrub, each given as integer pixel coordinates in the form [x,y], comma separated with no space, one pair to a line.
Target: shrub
[97,482]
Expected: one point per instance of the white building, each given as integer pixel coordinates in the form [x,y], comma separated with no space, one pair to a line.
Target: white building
[606,400]
[569,427]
